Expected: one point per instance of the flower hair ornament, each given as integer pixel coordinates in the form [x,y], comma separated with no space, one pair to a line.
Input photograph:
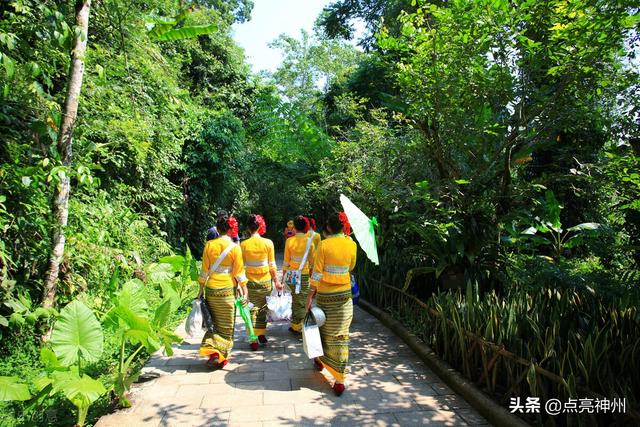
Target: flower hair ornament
[233,227]
[307,224]
[262,225]
[313,223]
[345,223]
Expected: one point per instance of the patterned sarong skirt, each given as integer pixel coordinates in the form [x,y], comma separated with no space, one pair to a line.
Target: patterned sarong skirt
[258,293]
[338,309]
[298,303]
[222,307]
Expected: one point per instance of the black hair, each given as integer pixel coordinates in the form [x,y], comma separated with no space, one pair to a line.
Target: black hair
[300,223]
[333,224]
[252,223]
[222,222]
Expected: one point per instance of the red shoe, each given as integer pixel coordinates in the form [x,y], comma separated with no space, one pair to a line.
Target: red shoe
[213,360]
[254,346]
[263,339]
[338,389]
[222,364]
[318,364]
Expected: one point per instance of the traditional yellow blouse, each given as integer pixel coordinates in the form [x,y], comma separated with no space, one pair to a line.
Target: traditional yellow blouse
[259,258]
[294,250]
[335,259]
[232,267]
[316,239]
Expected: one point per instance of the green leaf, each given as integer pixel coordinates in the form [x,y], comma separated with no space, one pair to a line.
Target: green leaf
[162,314]
[138,329]
[132,296]
[12,389]
[49,358]
[553,209]
[9,65]
[81,391]
[176,261]
[77,333]
[160,272]
[170,292]
[186,32]
[585,226]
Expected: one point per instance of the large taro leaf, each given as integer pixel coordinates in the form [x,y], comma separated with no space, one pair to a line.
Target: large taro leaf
[170,292]
[175,261]
[77,333]
[82,391]
[138,329]
[157,273]
[132,296]
[162,313]
[12,389]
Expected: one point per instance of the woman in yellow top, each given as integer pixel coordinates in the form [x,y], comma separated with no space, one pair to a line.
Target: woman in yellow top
[222,267]
[331,285]
[260,262]
[294,251]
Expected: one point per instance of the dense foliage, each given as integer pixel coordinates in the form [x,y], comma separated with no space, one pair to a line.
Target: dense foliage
[496,142]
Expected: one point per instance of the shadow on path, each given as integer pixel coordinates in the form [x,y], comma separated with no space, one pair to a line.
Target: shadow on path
[388,385]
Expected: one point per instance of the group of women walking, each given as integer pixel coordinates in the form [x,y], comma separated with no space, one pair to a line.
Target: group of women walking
[313,268]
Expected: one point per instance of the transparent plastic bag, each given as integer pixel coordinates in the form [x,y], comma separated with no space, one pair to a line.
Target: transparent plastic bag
[279,305]
[193,324]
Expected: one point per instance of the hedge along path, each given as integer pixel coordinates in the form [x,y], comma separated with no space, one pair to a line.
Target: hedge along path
[388,385]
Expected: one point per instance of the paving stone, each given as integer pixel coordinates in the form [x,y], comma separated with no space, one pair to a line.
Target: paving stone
[429,418]
[120,420]
[197,417]
[238,377]
[201,390]
[261,413]
[232,400]
[271,385]
[275,397]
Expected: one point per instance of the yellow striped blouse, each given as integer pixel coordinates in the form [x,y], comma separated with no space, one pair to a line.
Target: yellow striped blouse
[259,258]
[333,263]
[232,267]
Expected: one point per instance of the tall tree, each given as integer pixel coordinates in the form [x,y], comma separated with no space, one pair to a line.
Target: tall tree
[60,205]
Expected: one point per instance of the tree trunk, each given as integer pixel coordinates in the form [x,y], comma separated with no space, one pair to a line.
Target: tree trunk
[60,204]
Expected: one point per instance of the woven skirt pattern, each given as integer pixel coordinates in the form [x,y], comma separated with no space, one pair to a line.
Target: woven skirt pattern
[298,303]
[258,293]
[222,307]
[338,309]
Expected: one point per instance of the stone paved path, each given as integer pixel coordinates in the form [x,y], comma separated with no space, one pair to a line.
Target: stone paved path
[277,386]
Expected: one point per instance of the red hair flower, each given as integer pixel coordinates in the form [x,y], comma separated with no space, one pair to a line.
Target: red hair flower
[313,223]
[233,227]
[262,226]
[307,224]
[345,223]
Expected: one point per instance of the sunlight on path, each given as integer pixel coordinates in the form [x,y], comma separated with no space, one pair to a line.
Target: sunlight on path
[277,386]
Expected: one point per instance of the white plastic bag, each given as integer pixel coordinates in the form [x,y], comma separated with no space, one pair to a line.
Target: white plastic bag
[193,324]
[279,305]
[311,341]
